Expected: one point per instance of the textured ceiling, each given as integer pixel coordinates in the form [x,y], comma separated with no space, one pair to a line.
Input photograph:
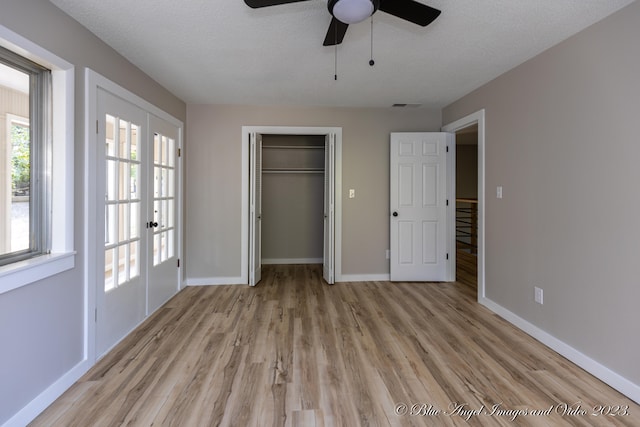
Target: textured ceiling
[223,52]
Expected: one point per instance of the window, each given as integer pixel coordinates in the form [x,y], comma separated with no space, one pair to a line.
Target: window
[25,107]
[36,162]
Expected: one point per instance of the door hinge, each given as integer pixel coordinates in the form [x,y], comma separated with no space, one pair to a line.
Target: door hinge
[447,202]
[447,148]
[178,262]
[447,256]
[179,152]
[97,124]
[95,312]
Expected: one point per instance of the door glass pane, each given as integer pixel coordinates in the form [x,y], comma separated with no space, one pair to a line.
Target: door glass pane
[164,183]
[134,268]
[157,182]
[156,149]
[171,182]
[134,225]
[134,142]
[122,263]
[110,225]
[123,222]
[123,212]
[111,179]
[156,249]
[163,145]
[110,142]
[135,182]
[124,181]
[171,149]
[108,269]
[163,246]
[123,149]
[164,198]
[170,244]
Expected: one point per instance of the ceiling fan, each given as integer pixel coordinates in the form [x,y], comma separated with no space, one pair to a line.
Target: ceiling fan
[346,12]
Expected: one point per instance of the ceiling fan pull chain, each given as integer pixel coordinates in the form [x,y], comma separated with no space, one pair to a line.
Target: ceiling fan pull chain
[371,61]
[335,59]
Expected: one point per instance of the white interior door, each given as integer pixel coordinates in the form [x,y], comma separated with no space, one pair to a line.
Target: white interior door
[162,218]
[329,210]
[418,202]
[120,199]
[255,208]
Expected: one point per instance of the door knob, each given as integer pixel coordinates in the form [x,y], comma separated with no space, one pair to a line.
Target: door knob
[395,214]
[152,224]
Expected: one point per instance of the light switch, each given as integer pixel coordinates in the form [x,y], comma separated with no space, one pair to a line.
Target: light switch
[352,193]
[499,192]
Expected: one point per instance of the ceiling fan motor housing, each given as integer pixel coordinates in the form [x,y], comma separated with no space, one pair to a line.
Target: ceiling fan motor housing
[352,11]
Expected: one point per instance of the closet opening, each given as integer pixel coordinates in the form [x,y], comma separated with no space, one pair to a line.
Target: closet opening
[293,181]
[293,209]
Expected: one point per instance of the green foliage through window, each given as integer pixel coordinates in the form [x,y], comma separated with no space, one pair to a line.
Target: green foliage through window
[20,159]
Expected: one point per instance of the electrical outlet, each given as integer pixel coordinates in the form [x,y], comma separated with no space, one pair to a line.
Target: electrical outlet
[499,192]
[352,193]
[539,295]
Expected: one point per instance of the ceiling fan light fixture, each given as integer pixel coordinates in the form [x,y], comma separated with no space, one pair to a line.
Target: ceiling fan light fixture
[352,11]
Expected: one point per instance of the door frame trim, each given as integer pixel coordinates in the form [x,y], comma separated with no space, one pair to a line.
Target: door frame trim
[290,130]
[476,118]
[93,82]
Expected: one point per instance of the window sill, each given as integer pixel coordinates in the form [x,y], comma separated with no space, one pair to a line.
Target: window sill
[22,273]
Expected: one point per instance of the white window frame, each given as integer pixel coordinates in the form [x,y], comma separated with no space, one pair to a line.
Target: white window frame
[62,255]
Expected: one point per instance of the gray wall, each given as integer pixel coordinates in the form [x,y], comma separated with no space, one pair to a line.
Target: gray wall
[561,138]
[213,187]
[41,325]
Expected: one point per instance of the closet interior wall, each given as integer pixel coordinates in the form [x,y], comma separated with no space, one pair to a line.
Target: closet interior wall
[292,199]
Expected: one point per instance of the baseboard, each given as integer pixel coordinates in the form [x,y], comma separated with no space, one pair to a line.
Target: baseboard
[363,278]
[618,382]
[292,261]
[213,281]
[47,397]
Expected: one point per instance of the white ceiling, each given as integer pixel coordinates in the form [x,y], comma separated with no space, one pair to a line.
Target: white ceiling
[223,52]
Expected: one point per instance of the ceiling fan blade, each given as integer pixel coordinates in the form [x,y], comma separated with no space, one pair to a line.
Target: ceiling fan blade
[335,33]
[264,3]
[410,10]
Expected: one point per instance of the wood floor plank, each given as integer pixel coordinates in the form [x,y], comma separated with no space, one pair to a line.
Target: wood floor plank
[294,351]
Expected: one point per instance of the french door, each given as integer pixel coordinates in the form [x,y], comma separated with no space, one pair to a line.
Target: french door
[136,198]
[419,208]
[162,224]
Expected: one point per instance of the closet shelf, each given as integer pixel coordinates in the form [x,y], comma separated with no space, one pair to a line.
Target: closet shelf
[293,170]
[306,147]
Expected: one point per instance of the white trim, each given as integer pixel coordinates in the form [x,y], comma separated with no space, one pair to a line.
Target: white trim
[292,261]
[595,368]
[244,211]
[215,281]
[30,411]
[363,278]
[19,274]
[479,118]
[451,208]
[22,273]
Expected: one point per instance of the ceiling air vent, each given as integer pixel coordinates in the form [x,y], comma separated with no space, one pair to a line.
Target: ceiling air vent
[406,105]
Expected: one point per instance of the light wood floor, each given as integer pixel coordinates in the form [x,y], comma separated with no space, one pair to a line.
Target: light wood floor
[294,351]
